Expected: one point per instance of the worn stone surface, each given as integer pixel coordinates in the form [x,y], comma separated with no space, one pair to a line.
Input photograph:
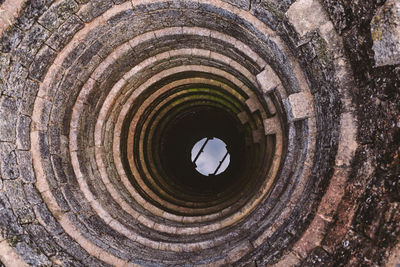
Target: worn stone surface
[385,32]
[30,253]
[311,73]
[15,192]
[43,239]
[16,81]
[301,105]
[24,159]
[8,161]
[47,219]
[10,39]
[23,138]
[30,44]
[32,195]
[376,97]
[9,226]
[306,16]
[339,13]
[268,80]
[31,12]
[8,111]
[57,13]
[26,103]
[65,32]
[42,62]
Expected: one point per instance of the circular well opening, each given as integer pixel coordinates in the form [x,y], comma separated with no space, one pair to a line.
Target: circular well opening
[210,156]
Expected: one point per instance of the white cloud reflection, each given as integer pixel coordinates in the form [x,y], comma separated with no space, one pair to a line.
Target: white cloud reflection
[212,154]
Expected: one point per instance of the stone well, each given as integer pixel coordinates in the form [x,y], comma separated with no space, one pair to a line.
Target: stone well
[101,102]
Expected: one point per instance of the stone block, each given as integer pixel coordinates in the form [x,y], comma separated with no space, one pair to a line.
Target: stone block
[32,10]
[243,117]
[57,13]
[54,138]
[123,32]
[24,159]
[62,203]
[5,63]
[385,31]
[25,105]
[9,227]
[32,194]
[16,194]
[23,128]
[8,121]
[4,203]
[347,140]
[16,80]
[58,169]
[25,215]
[64,33]
[70,246]
[43,239]
[47,220]
[31,253]
[87,69]
[268,80]
[257,135]
[42,62]
[301,105]
[306,16]
[44,145]
[272,125]
[58,110]
[49,173]
[8,161]
[270,105]
[73,203]
[252,103]
[31,44]
[10,39]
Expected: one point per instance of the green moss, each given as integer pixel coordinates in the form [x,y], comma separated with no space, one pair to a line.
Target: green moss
[322,51]
[13,241]
[279,15]
[376,35]
[64,9]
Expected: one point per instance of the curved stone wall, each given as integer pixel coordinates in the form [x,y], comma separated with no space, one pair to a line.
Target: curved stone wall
[99,100]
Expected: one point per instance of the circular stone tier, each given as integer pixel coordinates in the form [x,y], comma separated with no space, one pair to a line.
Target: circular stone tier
[102,102]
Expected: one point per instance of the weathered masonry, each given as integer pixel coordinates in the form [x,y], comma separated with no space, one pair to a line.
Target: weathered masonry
[102,101]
